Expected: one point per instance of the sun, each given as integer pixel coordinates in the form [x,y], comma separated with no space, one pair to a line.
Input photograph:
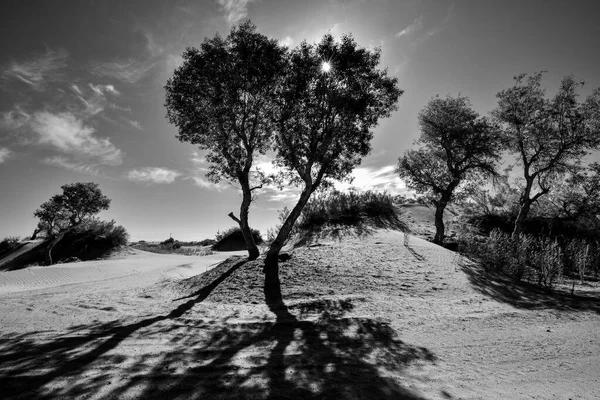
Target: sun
[326,66]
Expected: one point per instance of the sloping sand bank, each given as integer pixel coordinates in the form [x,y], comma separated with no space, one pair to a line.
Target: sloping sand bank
[367,317]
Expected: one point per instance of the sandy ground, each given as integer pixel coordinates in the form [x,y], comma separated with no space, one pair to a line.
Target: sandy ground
[378,316]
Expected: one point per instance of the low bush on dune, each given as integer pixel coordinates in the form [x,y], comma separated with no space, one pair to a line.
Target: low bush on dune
[232,239]
[542,260]
[8,244]
[349,208]
[90,240]
[172,246]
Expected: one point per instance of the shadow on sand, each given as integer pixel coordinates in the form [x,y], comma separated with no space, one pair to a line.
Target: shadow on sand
[527,296]
[323,355]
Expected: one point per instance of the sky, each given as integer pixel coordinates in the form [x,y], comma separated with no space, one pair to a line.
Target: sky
[82,92]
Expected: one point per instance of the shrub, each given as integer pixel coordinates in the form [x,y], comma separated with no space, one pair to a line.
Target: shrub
[9,244]
[538,260]
[226,240]
[206,242]
[92,239]
[170,244]
[349,208]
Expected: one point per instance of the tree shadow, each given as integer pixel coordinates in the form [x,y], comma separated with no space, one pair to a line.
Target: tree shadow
[525,295]
[324,355]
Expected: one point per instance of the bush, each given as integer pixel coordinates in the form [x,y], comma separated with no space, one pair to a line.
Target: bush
[207,242]
[9,244]
[348,208]
[538,260]
[171,244]
[232,239]
[90,240]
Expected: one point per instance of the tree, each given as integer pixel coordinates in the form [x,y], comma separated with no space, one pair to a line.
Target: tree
[64,212]
[548,136]
[577,196]
[332,97]
[222,99]
[456,145]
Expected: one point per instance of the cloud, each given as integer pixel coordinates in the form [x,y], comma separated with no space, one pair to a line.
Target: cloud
[380,179]
[63,162]
[4,154]
[13,119]
[235,10]
[102,89]
[69,134]
[39,70]
[153,175]
[135,124]
[198,173]
[286,41]
[124,71]
[414,27]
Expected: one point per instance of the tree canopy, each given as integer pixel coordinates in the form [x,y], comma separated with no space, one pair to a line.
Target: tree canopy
[223,99]
[456,144]
[333,95]
[76,204]
[548,136]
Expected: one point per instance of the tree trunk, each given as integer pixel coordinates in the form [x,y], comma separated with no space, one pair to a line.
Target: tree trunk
[525,203]
[440,206]
[253,251]
[35,233]
[521,217]
[272,285]
[58,238]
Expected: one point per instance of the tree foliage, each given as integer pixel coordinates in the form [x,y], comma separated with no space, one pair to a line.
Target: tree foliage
[78,202]
[549,136]
[223,99]
[456,144]
[325,120]
[75,205]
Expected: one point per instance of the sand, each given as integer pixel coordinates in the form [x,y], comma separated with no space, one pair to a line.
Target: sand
[368,317]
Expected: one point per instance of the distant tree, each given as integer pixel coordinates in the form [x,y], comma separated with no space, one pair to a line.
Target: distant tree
[333,96]
[456,144]
[576,196]
[548,136]
[64,212]
[222,99]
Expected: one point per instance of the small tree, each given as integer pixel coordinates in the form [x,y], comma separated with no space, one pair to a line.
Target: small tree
[333,96]
[548,136]
[456,144]
[222,99]
[64,212]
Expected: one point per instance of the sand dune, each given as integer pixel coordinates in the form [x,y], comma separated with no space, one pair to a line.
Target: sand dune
[365,317]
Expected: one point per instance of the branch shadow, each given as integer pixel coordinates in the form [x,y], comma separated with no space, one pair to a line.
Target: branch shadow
[524,295]
[324,355]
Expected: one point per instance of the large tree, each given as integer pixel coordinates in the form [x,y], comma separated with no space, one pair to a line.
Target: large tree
[222,100]
[456,144]
[333,96]
[548,136]
[63,212]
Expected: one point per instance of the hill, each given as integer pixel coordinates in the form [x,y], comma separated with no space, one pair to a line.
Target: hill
[377,315]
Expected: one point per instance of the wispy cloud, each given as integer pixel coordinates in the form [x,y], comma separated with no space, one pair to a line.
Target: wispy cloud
[69,134]
[411,29]
[153,175]
[235,10]
[135,124]
[124,71]
[198,173]
[4,154]
[13,119]
[39,70]
[380,179]
[63,162]
[286,41]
